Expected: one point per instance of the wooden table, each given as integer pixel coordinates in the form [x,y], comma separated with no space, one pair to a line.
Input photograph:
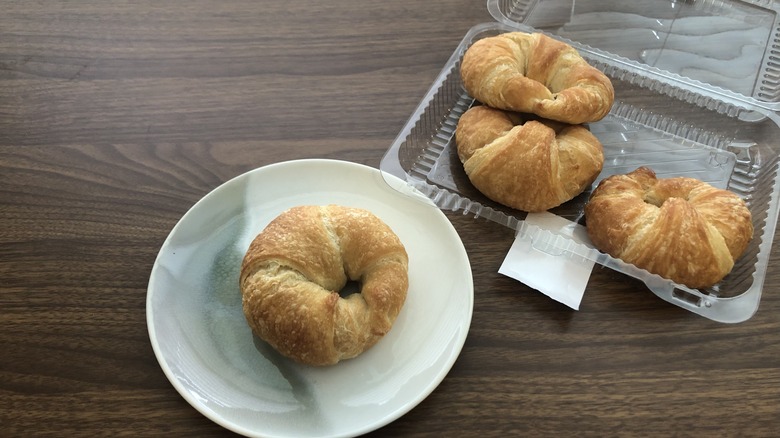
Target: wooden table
[116,117]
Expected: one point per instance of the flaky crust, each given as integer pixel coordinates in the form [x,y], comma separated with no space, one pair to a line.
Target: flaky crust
[531,166]
[294,269]
[533,73]
[680,228]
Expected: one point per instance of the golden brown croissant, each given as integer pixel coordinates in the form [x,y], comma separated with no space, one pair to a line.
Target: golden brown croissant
[533,166]
[533,73]
[294,269]
[680,228]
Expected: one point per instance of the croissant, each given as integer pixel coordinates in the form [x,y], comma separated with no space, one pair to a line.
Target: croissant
[294,269]
[531,166]
[680,228]
[533,73]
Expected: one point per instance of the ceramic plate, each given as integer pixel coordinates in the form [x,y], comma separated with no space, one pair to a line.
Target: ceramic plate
[209,354]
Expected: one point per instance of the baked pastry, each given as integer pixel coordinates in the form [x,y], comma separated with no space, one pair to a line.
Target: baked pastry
[294,269]
[680,228]
[533,73]
[530,165]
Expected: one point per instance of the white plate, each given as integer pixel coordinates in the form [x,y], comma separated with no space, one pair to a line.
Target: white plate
[208,352]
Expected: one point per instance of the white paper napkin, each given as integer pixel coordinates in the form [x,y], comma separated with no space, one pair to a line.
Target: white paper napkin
[539,258]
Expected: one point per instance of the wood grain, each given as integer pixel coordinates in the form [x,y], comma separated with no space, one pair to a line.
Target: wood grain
[116,117]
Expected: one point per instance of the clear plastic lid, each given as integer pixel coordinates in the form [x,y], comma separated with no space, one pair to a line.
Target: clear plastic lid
[726,49]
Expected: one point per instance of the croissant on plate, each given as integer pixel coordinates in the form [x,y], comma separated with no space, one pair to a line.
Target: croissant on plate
[529,165]
[680,228]
[294,269]
[533,73]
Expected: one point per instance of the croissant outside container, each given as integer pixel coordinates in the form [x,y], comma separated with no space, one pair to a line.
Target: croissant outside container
[679,109]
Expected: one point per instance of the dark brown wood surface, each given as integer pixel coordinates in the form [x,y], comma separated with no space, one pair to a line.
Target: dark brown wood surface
[116,117]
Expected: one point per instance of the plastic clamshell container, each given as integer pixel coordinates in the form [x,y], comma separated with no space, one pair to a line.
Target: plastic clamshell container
[697,90]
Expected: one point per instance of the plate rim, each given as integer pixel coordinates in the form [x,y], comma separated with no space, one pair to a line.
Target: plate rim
[391,416]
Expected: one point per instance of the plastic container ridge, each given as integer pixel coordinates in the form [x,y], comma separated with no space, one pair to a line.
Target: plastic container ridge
[697,93]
